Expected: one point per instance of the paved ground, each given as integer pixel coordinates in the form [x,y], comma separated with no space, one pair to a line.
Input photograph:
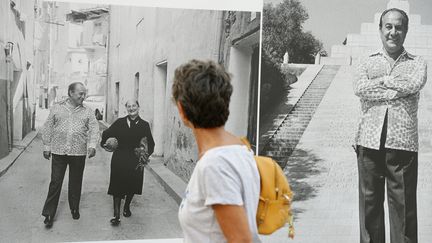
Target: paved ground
[329,211]
[24,187]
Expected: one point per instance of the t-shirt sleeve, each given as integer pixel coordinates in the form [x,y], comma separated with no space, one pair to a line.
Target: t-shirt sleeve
[221,184]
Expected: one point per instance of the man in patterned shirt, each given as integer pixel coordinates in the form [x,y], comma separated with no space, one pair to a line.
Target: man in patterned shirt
[388,83]
[69,134]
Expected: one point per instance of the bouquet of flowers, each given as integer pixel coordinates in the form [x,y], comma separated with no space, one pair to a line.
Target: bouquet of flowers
[142,153]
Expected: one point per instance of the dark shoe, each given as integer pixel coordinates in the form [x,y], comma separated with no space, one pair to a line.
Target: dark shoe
[75,214]
[127,212]
[49,221]
[115,221]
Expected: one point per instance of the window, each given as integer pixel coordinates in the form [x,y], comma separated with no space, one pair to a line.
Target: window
[117,98]
[136,94]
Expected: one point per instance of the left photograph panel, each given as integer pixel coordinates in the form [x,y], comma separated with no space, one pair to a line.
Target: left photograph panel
[74,74]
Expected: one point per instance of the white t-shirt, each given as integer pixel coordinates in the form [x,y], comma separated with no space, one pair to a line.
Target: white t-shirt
[225,175]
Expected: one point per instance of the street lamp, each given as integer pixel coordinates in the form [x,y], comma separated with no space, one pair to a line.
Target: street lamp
[8,50]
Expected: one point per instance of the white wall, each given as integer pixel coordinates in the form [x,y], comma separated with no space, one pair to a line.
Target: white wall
[240,68]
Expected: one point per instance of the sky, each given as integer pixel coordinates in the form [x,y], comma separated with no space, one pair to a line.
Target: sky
[331,20]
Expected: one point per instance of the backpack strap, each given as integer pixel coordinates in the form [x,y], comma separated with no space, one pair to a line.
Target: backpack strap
[263,212]
[245,141]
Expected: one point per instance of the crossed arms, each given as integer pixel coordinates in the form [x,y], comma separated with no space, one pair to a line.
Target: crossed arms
[386,88]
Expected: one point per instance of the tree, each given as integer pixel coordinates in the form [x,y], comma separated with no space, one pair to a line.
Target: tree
[283,31]
[306,46]
[273,83]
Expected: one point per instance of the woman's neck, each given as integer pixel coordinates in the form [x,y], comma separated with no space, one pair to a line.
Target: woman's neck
[133,117]
[207,138]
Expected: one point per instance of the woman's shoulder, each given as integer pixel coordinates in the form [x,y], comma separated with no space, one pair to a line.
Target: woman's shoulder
[230,162]
[144,122]
[118,121]
[230,156]
[232,149]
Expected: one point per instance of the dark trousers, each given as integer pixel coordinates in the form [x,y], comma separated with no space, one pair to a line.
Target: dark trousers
[399,169]
[58,169]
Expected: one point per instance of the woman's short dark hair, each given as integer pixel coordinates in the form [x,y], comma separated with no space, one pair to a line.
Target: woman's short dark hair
[405,19]
[203,88]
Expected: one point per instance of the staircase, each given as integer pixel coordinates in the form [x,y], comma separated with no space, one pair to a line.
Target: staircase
[286,137]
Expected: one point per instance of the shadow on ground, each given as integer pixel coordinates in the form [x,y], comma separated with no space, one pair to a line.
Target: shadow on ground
[269,116]
[301,165]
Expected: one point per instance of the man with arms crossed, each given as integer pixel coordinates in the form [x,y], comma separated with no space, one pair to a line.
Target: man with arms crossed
[388,83]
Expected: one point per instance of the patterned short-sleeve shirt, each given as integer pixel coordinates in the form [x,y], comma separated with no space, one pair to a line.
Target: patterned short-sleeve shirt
[391,89]
[70,130]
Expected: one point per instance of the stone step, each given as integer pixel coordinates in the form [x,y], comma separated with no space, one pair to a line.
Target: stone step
[301,114]
[295,119]
[310,102]
[282,149]
[309,110]
[283,142]
[296,122]
[285,138]
[287,143]
[277,146]
[288,135]
[306,110]
[305,107]
[295,140]
[293,126]
[313,94]
[310,99]
[278,154]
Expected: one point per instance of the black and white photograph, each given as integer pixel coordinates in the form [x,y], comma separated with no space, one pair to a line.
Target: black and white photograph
[297,121]
[106,111]
[345,109]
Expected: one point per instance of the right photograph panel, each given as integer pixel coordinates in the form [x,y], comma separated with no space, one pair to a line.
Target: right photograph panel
[346,111]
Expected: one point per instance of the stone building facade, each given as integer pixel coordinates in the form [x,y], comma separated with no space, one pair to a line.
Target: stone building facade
[144,51]
[17,96]
[77,45]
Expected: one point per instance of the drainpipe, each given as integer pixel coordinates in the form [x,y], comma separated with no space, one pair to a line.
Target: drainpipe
[221,37]
[9,75]
[107,81]
[9,110]
[50,57]
[33,118]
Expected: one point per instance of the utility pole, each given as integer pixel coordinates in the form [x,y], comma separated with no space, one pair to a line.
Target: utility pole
[9,98]
[107,81]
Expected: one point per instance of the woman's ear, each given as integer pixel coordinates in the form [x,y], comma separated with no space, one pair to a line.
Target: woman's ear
[183,116]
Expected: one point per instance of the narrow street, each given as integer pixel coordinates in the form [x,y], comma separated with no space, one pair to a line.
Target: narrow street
[25,185]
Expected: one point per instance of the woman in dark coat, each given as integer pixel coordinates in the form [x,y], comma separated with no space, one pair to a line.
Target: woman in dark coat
[126,177]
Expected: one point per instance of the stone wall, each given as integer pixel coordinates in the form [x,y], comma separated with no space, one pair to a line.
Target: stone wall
[16,26]
[143,54]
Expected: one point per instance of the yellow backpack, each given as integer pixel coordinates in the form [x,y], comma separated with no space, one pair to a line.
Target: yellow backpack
[274,207]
